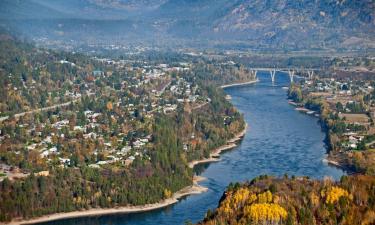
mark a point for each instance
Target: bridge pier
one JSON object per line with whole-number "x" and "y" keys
{"x": 254, "y": 73}
{"x": 311, "y": 74}
{"x": 273, "y": 73}
{"x": 291, "y": 75}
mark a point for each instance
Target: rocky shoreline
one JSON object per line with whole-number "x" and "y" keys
{"x": 215, "y": 154}
{"x": 341, "y": 161}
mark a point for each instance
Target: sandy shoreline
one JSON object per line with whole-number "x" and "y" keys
{"x": 239, "y": 84}
{"x": 190, "y": 190}
{"x": 215, "y": 154}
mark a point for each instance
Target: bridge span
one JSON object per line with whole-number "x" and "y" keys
{"x": 309, "y": 73}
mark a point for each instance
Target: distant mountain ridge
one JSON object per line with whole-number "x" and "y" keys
{"x": 287, "y": 24}
{"x": 279, "y": 22}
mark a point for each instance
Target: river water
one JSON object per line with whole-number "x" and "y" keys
{"x": 279, "y": 140}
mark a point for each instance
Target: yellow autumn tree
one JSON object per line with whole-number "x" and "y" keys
{"x": 167, "y": 193}
{"x": 240, "y": 196}
{"x": 335, "y": 193}
{"x": 225, "y": 206}
{"x": 236, "y": 200}
{"x": 265, "y": 197}
{"x": 265, "y": 212}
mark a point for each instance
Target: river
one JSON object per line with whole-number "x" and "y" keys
{"x": 279, "y": 140}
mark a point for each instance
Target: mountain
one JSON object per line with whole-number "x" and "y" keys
{"x": 19, "y": 9}
{"x": 129, "y": 4}
{"x": 285, "y": 24}
{"x": 300, "y": 22}
{"x": 61, "y": 9}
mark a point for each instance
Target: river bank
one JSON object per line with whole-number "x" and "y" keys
{"x": 190, "y": 190}
{"x": 215, "y": 154}
{"x": 342, "y": 161}
{"x": 278, "y": 144}
{"x": 336, "y": 159}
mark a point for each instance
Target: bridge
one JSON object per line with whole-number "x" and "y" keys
{"x": 291, "y": 71}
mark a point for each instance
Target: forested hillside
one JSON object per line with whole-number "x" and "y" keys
{"x": 80, "y": 133}
{"x": 32, "y": 78}
{"x": 267, "y": 200}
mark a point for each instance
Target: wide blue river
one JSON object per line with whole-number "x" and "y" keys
{"x": 279, "y": 140}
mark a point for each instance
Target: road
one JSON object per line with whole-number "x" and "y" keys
{"x": 42, "y": 109}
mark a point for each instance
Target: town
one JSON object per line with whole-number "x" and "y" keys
{"x": 119, "y": 129}
{"x": 346, "y": 105}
